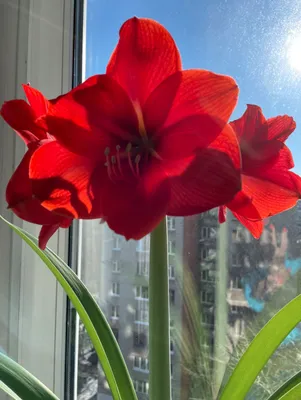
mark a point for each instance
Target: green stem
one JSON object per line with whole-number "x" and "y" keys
{"x": 159, "y": 343}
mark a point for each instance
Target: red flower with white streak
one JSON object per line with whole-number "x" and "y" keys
{"x": 268, "y": 185}
{"x": 132, "y": 145}
{"x": 21, "y": 117}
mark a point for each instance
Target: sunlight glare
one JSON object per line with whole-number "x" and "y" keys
{"x": 294, "y": 52}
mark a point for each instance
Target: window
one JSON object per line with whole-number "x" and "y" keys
{"x": 205, "y": 232}
{"x": 141, "y": 314}
{"x": 204, "y": 253}
{"x": 141, "y": 386}
{"x": 207, "y": 297}
{"x": 115, "y": 289}
{"x": 171, "y": 223}
{"x": 235, "y": 283}
{"x": 172, "y": 296}
{"x": 206, "y": 318}
{"x": 142, "y": 268}
{"x": 234, "y": 309}
{"x": 172, "y": 247}
{"x": 141, "y": 363}
{"x": 116, "y": 267}
{"x": 116, "y": 242}
{"x": 236, "y": 260}
{"x": 207, "y": 275}
{"x": 171, "y": 272}
{"x": 143, "y": 245}
{"x": 115, "y": 312}
{"x": 139, "y": 339}
{"x": 141, "y": 292}
{"x": 233, "y": 35}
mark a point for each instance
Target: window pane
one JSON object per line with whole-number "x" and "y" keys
{"x": 224, "y": 284}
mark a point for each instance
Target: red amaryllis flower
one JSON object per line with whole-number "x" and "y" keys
{"x": 268, "y": 185}
{"x": 21, "y": 117}
{"x": 133, "y": 143}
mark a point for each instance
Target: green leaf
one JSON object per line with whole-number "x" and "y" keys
{"x": 287, "y": 387}
{"x": 293, "y": 394}
{"x": 92, "y": 317}
{"x": 261, "y": 349}
{"x": 20, "y": 384}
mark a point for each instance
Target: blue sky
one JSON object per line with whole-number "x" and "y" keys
{"x": 247, "y": 39}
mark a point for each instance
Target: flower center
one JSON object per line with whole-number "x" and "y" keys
{"x": 135, "y": 157}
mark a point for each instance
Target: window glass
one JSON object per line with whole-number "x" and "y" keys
{"x": 259, "y": 44}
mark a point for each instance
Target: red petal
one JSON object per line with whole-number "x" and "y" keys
{"x": 242, "y": 204}
{"x": 145, "y": 55}
{"x": 268, "y": 197}
{"x": 251, "y": 125}
{"x": 48, "y": 230}
{"x": 280, "y": 127}
{"x": 210, "y": 181}
{"x": 62, "y": 181}
{"x": 222, "y": 214}
{"x": 36, "y": 99}
{"x": 255, "y": 227}
{"x": 20, "y": 197}
{"x": 187, "y": 94}
{"x": 133, "y": 208}
{"x": 21, "y": 117}
{"x": 95, "y": 115}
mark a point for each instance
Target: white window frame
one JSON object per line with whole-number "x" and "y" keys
{"x": 115, "y": 289}
{"x": 115, "y": 311}
{"x": 171, "y": 272}
{"x": 171, "y": 223}
{"x": 116, "y": 267}
{"x": 172, "y": 247}
{"x": 116, "y": 242}
{"x": 138, "y": 364}
{"x": 143, "y": 245}
{"x": 37, "y": 48}
{"x": 140, "y": 293}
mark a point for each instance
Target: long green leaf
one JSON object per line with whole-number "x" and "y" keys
{"x": 293, "y": 394}
{"x": 261, "y": 349}
{"x": 19, "y": 383}
{"x": 92, "y": 317}
{"x": 286, "y": 387}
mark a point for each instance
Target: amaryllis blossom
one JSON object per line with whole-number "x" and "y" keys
{"x": 132, "y": 145}
{"x": 268, "y": 185}
{"x": 21, "y": 117}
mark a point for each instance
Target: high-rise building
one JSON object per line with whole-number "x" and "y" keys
{"x": 116, "y": 272}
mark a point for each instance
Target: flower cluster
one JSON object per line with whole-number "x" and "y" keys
{"x": 144, "y": 140}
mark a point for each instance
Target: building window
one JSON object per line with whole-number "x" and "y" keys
{"x": 172, "y": 296}
{"x": 171, "y": 272}
{"x": 116, "y": 267}
{"x": 206, "y": 318}
{"x": 172, "y": 247}
{"x": 140, "y": 386}
{"x": 235, "y": 283}
{"x": 234, "y": 309}
{"x": 207, "y": 297}
{"x": 141, "y": 292}
{"x": 140, "y": 339}
{"x": 239, "y": 327}
{"x": 171, "y": 223}
{"x": 143, "y": 245}
{"x": 115, "y": 289}
{"x": 116, "y": 333}
{"x": 172, "y": 347}
{"x": 115, "y": 312}
{"x": 142, "y": 268}
{"x": 141, "y": 363}
{"x": 116, "y": 242}
{"x": 141, "y": 315}
{"x": 235, "y": 260}
{"x": 205, "y": 232}
{"x": 204, "y": 253}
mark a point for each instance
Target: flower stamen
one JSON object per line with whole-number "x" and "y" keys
{"x": 128, "y": 150}
{"x": 107, "y": 163}
{"x": 118, "y": 158}
{"x": 137, "y": 160}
